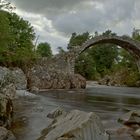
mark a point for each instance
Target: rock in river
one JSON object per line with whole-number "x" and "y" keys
{"x": 6, "y": 134}
{"x": 76, "y": 125}
{"x": 132, "y": 119}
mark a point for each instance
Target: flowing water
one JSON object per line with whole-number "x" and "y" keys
{"x": 108, "y": 102}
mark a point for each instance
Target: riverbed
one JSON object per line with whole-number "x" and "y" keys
{"x": 108, "y": 102}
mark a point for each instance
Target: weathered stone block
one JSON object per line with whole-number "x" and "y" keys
{"x": 20, "y": 79}
{"x": 76, "y": 125}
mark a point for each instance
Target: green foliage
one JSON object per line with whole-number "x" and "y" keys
{"x": 16, "y": 36}
{"x": 136, "y": 34}
{"x": 97, "y": 60}
{"x": 5, "y": 36}
{"x": 127, "y": 60}
{"x": 76, "y": 40}
{"x": 5, "y": 31}
{"x": 106, "y": 59}
{"x": 44, "y": 49}
{"x": 104, "y": 56}
{"x": 85, "y": 65}
{"x": 22, "y": 31}
{"x": 132, "y": 78}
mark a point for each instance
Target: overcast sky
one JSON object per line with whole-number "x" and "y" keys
{"x": 55, "y": 20}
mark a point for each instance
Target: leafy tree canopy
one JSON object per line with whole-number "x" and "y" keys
{"x": 77, "y": 40}
{"x": 104, "y": 55}
{"x": 99, "y": 57}
{"x": 44, "y": 49}
{"x": 16, "y": 36}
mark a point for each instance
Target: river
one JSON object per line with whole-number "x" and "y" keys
{"x": 108, "y": 102}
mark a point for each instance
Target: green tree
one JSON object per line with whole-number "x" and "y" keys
{"x": 97, "y": 59}
{"x": 5, "y": 32}
{"x": 104, "y": 55}
{"x": 136, "y": 34}
{"x": 17, "y": 37}
{"x": 44, "y": 49}
{"x": 5, "y": 36}
{"x": 22, "y": 31}
{"x": 85, "y": 65}
{"x": 77, "y": 40}
{"x": 127, "y": 59}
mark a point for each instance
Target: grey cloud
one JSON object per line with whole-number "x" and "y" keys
{"x": 69, "y": 16}
{"x": 79, "y": 22}
{"x": 50, "y": 7}
{"x": 113, "y": 13}
{"x": 86, "y": 16}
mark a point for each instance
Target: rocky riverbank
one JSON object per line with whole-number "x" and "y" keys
{"x": 14, "y": 82}
{"x": 49, "y": 75}
{"x": 121, "y": 79}
{"x": 10, "y": 80}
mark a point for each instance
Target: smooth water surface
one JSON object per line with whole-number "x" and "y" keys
{"x": 108, "y": 102}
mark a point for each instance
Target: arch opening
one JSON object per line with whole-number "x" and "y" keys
{"x": 131, "y": 46}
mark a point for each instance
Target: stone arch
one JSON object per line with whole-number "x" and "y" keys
{"x": 132, "y": 46}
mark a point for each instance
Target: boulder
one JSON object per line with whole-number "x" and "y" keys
{"x": 55, "y": 113}
{"x": 20, "y": 79}
{"x": 6, "y": 110}
{"x": 6, "y": 77}
{"x": 9, "y": 91}
{"x": 15, "y": 76}
{"x": 75, "y": 125}
{"x": 25, "y": 93}
{"x": 77, "y": 81}
{"x": 132, "y": 120}
{"x": 6, "y": 134}
{"x": 137, "y": 133}
{"x": 41, "y": 77}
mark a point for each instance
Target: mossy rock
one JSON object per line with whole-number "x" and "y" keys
{"x": 6, "y": 111}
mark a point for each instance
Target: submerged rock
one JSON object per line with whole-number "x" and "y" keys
{"x": 55, "y": 113}
{"x": 132, "y": 120}
{"x": 137, "y": 133}
{"x": 6, "y": 134}
{"x": 25, "y": 93}
{"x": 75, "y": 125}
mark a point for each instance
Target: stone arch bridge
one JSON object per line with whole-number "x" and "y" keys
{"x": 132, "y": 46}
{"x": 58, "y": 71}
